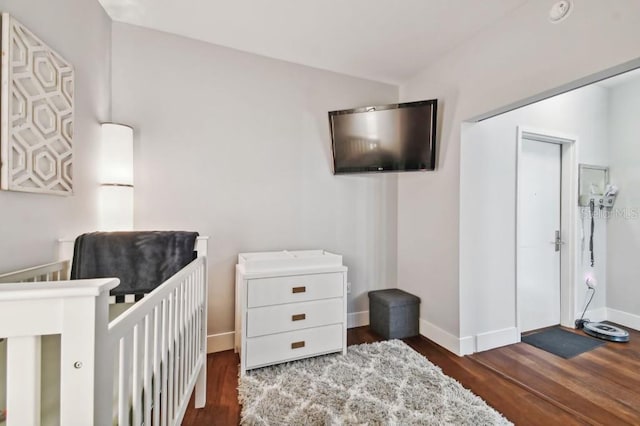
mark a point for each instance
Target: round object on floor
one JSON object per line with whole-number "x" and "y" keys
{"x": 606, "y": 332}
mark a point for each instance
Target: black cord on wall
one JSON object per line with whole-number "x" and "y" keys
{"x": 592, "y": 208}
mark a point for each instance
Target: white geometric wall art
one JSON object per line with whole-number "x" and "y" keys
{"x": 36, "y": 114}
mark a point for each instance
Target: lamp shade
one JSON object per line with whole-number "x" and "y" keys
{"x": 116, "y": 155}
{"x": 115, "y": 197}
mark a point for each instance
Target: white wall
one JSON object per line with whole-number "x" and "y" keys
{"x": 80, "y": 31}
{"x": 516, "y": 58}
{"x": 623, "y": 291}
{"x": 237, "y": 147}
{"x": 488, "y": 205}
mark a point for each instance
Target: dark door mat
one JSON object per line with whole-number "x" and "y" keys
{"x": 562, "y": 343}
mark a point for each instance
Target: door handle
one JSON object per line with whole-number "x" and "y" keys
{"x": 558, "y": 241}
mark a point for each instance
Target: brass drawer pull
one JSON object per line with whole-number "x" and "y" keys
{"x": 298, "y": 317}
{"x": 297, "y": 345}
{"x": 299, "y": 289}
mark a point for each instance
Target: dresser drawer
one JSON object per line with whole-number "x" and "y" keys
{"x": 294, "y": 316}
{"x": 283, "y": 347}
{"x": 295, "y": 288}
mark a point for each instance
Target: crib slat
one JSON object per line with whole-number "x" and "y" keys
{"x": 165, "y": 368}
{"x": 187, "y": 333}
{"x": 190, "y": 328}
{"x": 197, "y": 313}
{"x": 176, "y": 352}
{"x": 185, "y": 336}
{"x": 158, "y": 316}
{"x": 124, "y": 390}
{"x": 180, "y": 351}
{"x": 23, "y": 380}
{"x": 147, "y": 359}
{"x": 169, "y": 376}
{"x": 178, "y": 382}
{"x": 194, "y": 323}
{"x": 176, "y": 359}
{"x": 179, "y": 342}
{"x": 200, "y": 317}
{"x": 183, "y": 313}
{"x": 190, "y": 339}
{"x": 135, "y": 377}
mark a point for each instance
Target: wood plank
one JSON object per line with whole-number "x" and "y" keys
{"x": 222, "y": 407}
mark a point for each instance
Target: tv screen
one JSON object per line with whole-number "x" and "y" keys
{"x": 385, "y": 138}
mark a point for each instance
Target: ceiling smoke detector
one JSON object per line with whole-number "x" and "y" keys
{"x": 560, "y": 11}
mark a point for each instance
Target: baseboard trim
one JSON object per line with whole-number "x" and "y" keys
{"x": 357, "y": 319}
{"x": 220, "y": 342}
{"x": 459, "y": 346}
{"x": 624, "y": 318}
{"x": 497, "y": 338}
{"x": 467, "y": 345}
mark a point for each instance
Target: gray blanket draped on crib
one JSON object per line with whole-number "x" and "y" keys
{"x": 142, "y": 260}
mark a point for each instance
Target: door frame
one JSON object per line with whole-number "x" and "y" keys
{"x": 568, "y": 216}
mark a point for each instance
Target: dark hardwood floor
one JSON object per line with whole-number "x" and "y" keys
{"x": 527, "y": 385}
{"x": 601, "y": 386}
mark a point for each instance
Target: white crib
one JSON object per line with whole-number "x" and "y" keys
{"x": 138, "y": 369}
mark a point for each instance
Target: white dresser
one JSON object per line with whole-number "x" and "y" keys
{"x": 289, "y": 305}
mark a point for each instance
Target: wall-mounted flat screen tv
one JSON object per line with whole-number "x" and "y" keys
{"x": 386, "y": 138}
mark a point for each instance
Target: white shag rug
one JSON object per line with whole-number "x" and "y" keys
{"x": 384, "y": 383}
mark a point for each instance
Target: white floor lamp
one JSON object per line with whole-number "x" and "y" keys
{"x": 116, "y": 178}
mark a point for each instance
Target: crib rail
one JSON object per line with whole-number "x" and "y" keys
{"x": 159, "y": 349}
{"x": 56, "y": 271}
{"x": 78, "y": 311}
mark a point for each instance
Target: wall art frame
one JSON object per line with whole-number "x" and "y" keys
{"x": 36, "y": 114}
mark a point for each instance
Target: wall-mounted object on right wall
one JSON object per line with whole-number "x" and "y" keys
{"x": 593, "y": 184}
{"x": 36, "y": 114}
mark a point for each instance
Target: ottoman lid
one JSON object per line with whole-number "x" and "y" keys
{"x": 393, "y": 297}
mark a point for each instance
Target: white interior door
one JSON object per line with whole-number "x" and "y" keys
{"x": 538, "y": 258}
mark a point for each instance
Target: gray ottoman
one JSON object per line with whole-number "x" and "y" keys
{"x": 394, "y": 313}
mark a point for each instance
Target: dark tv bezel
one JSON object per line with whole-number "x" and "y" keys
{"x": 432, "y": 142}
